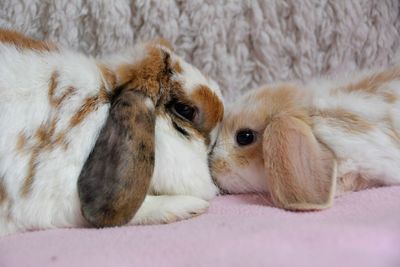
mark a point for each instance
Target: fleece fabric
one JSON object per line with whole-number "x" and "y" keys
{"x": 361, "y": 229}
{"x": 240, "y": 43}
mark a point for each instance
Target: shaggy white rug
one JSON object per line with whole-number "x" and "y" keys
{"x": 241, "y": 44}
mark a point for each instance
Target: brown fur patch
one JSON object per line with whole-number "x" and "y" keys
{"x": 375, "y": 85}
{"x": 57, "y": 101}
{"x": 146, "y": 75}
{"x": 52, "y": 86}
{"x": 355, "y": 182}
{"x": 21, "y": 142}
{"x": 212, "y": 109}
{"x": 108, "y": 75}
{"x": 23, "y": 42}
{"x": 252, "y": 153}
{"x": 389, "y": 97}
{"x": 372, "y": 83}
{"x": 3, "y": 191}
{"x": 391, "y": 131}
{"x": 350, "y": 122}
{"x": 220, "y": 166}
{"x": 46, "y": 137}
{"x": 60, "y": 140}
{"x": 89, "y": 105}
{"x": 241, "y": 159}
{"x": 43, "y": 137}
{"x": 269, "y": 104}
{"x": 29, "y": 178}
{"x": 177, "y": 67}
{"x": 53, "y": 83}
{"x": 67, "y": 93}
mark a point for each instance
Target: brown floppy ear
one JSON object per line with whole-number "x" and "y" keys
{"x": 301, "y": 172}
{"x": 116, "y": 176}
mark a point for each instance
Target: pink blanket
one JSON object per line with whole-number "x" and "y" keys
{"x": 362, "y": 229}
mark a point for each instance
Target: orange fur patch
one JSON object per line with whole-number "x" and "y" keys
{"x": 68, "y": 92}
{"x": 46, "y": 137}
{"x": 108, "y": 75}
{"x": 60, "y": 140}
{"x": 391, "y": 131}
{"x": 57, "y": 101}
{"x": 3, "y": 191}
{"x": 89, "y": 105}
{"x": 355, "y": 182}
{"x": 373, "y": 82}
{"x": 23, "y": 42}
{"x": 145, "y": 75}
{"x": 177, "y": 67}
{"x": 350, "y": 122}
{"x": 375, "y": 85}
{"x": 29, "y": 179}
{"x": 43, "y": 137}
{"x": 21, "y": 142}
{"x": 389, "y": 97}
{"x": 220, "y": 166}
{"x": 271, "y": 103}
{"x": 52, "y": 86}
{"x": 252, "y": 153}
{"x": 210, "y": 105}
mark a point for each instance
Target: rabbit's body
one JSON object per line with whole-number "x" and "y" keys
{"x": 309, "y": 141}
{"x": 358, "y": 118}
{"x": 80, "y": 137}
{"x": 50, "y": 117}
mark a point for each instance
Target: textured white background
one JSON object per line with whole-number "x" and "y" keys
{"x": 241, "y": 44}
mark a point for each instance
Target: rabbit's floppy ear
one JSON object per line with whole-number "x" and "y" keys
{"x": 301, "y": 172}
{"x": 116, "y": 176}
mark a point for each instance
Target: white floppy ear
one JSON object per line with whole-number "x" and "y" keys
{"x": 301, "y": 172}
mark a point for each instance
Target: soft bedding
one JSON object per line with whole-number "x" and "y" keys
{"x": 362, "y": 229}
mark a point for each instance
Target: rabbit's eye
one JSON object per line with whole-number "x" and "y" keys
{"x": 184, "y": 111}
{"x": 245, "y": 137}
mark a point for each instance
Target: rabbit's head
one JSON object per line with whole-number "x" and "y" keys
{"x": 267, "y": 144}
{"x": 164, "y": 120}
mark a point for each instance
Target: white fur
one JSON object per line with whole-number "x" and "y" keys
{"x": 156, "y": 209}
{"x": 191, "y": 176}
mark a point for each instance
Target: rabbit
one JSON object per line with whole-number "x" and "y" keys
{"x": 307, "y": 142}
{"x": 118, "y": 140}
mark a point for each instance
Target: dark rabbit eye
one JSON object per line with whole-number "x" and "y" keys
{"x": 184, "y": 111}
{"x": 245, "y": 137}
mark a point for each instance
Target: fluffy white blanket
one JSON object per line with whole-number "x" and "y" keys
{"x": 241, "y": 44}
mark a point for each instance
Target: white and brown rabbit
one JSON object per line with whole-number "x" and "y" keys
{"x": 307, "y": 142}
{"x": 80, "y": 138}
